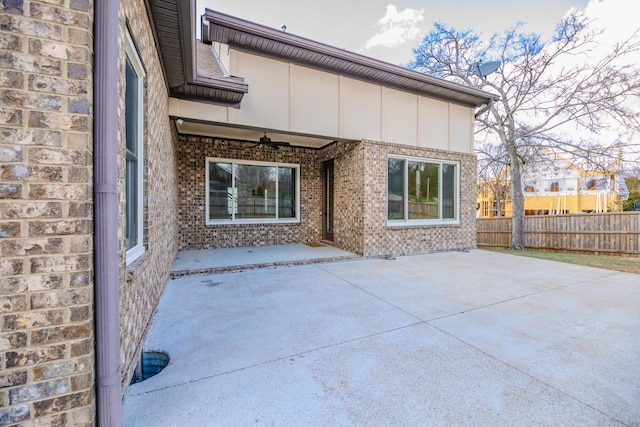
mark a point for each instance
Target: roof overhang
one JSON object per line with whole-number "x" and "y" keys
{"x": 188, "y": 64}
{"x": 173, "y": 23}
{"x": 255, "y": 38}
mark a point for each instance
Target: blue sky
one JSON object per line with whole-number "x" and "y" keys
{"x": 388, "y": 30}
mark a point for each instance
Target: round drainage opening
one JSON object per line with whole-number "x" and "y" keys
{"x": 150, "y": 364}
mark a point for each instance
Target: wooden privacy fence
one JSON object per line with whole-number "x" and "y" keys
{"x": 613, "y": 232}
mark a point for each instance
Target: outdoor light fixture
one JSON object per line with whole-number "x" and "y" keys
{"x": 179, "y": 122}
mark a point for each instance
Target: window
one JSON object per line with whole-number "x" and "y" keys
{"x": 134, "y": 132}
{"x": 497, "y": 212}
{"x": 252, "y": 192}
{"x": 421, "y": 191}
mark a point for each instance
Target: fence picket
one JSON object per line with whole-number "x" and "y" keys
{"x": 611, "y": 232}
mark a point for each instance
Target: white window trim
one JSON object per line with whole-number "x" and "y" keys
{"x": 425, "y": 222}
{"x": 234, "y": 221}
{"x": 136, "y": 251}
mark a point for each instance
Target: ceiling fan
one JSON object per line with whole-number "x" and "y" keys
{"x": 265, "y": 140}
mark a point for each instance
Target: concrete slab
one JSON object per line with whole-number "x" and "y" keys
{"x": 228, "y": 322}
{"x": 570, "y": 339}
{"x": 445, "y": 339}
{"x": 407, "y": 377}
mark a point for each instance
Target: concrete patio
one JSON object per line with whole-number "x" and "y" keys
{"x": 475, "y": 338}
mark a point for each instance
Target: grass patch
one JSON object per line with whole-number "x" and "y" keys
{"x": 609, "y": 262}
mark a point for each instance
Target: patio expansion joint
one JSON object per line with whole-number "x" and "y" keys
{"x": 373, "y": 295}
{"x": 544, "y": 291}
{"x": 277, "y": 359}
{"x": 428, "y": 323}
{"x": 527, "y": 374}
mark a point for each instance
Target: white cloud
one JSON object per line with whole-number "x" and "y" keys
{"x": 614, "y": 17}
{"x": 396, "y": 27}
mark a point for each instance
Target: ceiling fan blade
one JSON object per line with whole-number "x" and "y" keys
{"x": 275, "y": 144}
{"x": 264, "y": 140}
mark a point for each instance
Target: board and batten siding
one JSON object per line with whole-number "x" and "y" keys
{"x": 291, "y": 98}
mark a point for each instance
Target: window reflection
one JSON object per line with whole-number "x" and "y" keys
{"x": 251, "y": 191}
{"x": 421, "y": 190}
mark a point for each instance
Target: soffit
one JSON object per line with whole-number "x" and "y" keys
{"x": 173, "y": 26}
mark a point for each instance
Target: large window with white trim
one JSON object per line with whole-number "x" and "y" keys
{"x": 241, "y": 191}
{"x": 134, "y": 154}
{"x": 422, "y": 191}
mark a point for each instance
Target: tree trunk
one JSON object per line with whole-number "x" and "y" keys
{"x": 517, "y": 200}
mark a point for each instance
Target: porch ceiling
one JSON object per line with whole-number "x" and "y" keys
{"x": 250, "y": 135}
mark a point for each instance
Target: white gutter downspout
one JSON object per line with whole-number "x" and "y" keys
{"x": 105, "y": 167}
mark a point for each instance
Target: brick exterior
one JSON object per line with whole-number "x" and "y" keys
{"x": 46, "y": 209}
{"x": 360, "y": 223}
{"x": 142, "y": 281}
{"x": 193, "y": 232}
{"x": 46, "y": 246}
{"x": 349, "y": 196}
{"x": 381, "y": 240}
{"x": 46, "y": 206}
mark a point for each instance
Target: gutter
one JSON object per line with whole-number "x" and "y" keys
{"x": 186, "y": 13}
{"x": 487, "y": 106}
{"x": 106, "y": 263}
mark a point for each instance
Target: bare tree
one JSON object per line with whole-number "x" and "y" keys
{"x": 547, "y": 91}
{"x": 493, "y": 173}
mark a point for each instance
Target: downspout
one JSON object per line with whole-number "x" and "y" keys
{"x": 105, "y": 167}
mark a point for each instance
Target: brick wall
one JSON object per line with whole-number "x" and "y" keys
{"x": 143, "y": 281}
{"x": 360, "y": 217}
{"x": 194, "y": 234}
{"x": 46, "y": 248}
{"x": 349, "y": 195}
{"x": 381, "y": 240}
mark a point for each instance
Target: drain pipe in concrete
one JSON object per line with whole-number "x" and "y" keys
{"x": 105, "y": 166}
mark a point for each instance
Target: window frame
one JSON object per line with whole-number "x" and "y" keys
{"x": 233, "y": 220}
{"x": 406, "y": 222}
{"x": 132, "y": 56}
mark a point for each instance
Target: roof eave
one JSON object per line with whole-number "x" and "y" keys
{"x": 176, "y": 24}
{"x": 413, "y": 81}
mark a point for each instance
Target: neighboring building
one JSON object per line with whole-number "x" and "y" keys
{"x": 111, "y": 166}
{"x": 554, "y": 185}
{"x": 633, "y": 201}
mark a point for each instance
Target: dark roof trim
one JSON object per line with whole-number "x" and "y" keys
{"x": 154, "y": 31}
{"x": 246, "y": 35}
{"x": 173, "y": 26}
